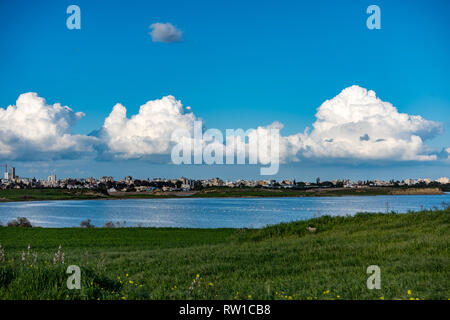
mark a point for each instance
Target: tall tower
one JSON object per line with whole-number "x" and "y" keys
{"x": 6, "y": 171}
{"x": 52, "y": 178}
{"x": 12, "y": 173}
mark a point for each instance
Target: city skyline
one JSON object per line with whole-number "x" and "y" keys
{"x": 130, "y": 184}
{"x": 11, "y": 176}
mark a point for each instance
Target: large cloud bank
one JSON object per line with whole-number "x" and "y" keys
{"x": 355, "y": 124}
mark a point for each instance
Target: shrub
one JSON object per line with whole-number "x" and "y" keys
{"x": 86, "y": 224}
{"x": 20, "y": 222}
{"x": 109, "y": 224}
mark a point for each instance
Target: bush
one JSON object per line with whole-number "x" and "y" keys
{"x": 6, "y": 275}
{"x": 20, "y": 222}
{"x": 109, "y": 224}
{"x": 86, "y": 224}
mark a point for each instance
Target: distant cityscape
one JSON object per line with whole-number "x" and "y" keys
{"x": 12, "y": 181}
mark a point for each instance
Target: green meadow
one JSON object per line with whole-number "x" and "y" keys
{"x": 285, "y": 261}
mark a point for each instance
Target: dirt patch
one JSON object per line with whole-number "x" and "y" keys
{"x": 417, "y": 191}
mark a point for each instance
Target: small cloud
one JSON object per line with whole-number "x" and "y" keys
{"x": 165, "y": 32}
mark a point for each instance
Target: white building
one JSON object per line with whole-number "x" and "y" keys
{"x": 426, "y": 180}
{"x": 443, "y": 180}
{"x": 52, "y": 179}
{"x": 106, "y": 179}
{"x": 10, "y": 174}
{"x": 410, "y": 182}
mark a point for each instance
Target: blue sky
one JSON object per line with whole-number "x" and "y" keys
{"x": 242, "y": 64}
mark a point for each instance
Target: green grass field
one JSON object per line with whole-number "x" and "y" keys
{"x": 284, "y": 261}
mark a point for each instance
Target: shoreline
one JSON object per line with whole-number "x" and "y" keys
{"x": 36, "y": 195}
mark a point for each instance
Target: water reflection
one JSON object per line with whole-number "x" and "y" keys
{"x": 208, "y": 213}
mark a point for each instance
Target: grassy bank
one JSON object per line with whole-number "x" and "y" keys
{"x": 318, "y": 192}
{"x": 219, "y": 192}
{"x": 285, "y": 261}
{"x": 49, "y": 194}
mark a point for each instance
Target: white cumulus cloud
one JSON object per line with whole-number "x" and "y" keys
{"x": 33, "y": 129}
{"x": 357, "y": 124}
{"x": 165, "y": 32}
{"x": 148, "y": 132}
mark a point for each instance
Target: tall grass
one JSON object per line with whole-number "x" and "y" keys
{"x": 285, "y": 261}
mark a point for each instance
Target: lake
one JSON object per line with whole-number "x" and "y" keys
{"x": 210, "y": 212}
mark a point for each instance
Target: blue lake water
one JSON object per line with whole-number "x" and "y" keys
{"x": 208, "y": 213}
